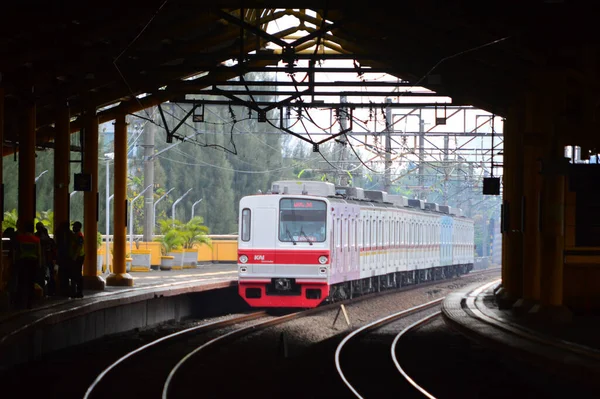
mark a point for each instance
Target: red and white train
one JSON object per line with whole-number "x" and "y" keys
{"x": 305, "y": 242}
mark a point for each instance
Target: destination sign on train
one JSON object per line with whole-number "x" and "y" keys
{"x": 303, "y": 204}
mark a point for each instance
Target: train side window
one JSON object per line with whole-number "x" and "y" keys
{"x": 339, "y": 233}
{"x": 246, "y": 224}
{"x": 356, "y": 233}
{"x": 374, "y": 235}
{"x": 345, "y": 238}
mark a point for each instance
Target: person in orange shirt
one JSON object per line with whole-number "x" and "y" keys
{"x": 79, "y": 257}
{"x": 28, "y": 260}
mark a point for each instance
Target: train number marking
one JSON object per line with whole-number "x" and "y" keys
{"x": 259, "y": 257}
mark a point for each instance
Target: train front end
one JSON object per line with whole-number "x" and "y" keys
{"x": 283, "y": 250}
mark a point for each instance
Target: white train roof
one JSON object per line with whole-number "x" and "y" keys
{"x": 316, "y": 188}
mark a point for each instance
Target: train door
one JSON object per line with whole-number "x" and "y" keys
{"x": 339, "y": 247}
{"x": 264, "y": 237}
{"x": 345, "y": 246}
{"x": 351, "y": 243}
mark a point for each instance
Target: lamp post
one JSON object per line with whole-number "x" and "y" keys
{"x": 195, "y": 203}
{"x": 154, "y": 213}
{"x": 131, "y": 217}
{"x": 107, "y": 241}
{"x": 175, "y": 204}
{"x": 40, "y": 175}
{"x": 108, "y": 157}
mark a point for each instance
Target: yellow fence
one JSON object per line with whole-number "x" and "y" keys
{"x": 221, "y": 251}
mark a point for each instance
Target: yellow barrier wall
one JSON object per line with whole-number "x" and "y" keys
{"x": 221, "y": 251}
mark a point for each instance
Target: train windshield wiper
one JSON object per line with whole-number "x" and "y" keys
{"x": 305, "y": 236}
{"x": 290, "y": 235}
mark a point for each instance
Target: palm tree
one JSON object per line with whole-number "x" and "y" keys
{"x": 173, "y": 239}
{"x": 10, "y": 219}
{"x": 195, "y": 232}
{"x": 47, "y": 219}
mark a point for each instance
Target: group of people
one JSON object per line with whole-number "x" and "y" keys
{"x": 54, "y": 264}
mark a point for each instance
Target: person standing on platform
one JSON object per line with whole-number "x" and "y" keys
{"x": 64, "y": 257}
{"x": 79, "y": 257}
{"x": 48, "y": 250}
{"x": 13, "y": 274}
{"x": 28, "y": 258}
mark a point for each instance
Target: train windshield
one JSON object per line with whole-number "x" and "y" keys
{"x": 302, "y": 220}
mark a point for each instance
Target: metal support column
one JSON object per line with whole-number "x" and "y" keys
{"x": 422, "y": 194}
{"x": 120, "y": 277}
{"x": 91, "y": 279}
{"x": 342, "y": 165}
{"x": 388, "y": 147}
{"x": 149, "y": 132}
{"x": 62, "y": 152}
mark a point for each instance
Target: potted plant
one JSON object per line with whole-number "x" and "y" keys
{"x": 194, "y": 233}
{"x": 170, "y": 241}
{"x": 141, "y": 259}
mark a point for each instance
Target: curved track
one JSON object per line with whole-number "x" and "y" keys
{"x": 395, "y": 358}
{"x": 161, "y": 362}
{"x": 126, "y": 365}
{"x": 370, "y": 327}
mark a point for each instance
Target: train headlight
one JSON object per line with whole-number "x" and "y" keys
{"x": 243, "y": 259}
{"x": 322, "y": 259}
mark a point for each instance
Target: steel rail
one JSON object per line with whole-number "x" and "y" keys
{"x": 373, "y": 325}
{"x": 283, "y": 319}
{"x": 200, "y": 328}
{"x": 397, "y": 363}
{"x": 226, "y": 337}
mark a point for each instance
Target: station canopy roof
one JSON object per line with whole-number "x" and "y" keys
{"x": 135, "y": 55}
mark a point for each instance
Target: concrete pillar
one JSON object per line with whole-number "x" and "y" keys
{"x": 26, "y": 207}
{"x": 531, "y": 233}
{"x": 512, "y": 262}
{"x": 1, "y": 168}
{"x": 62, "y": 166}
{"x": 91, "y": 279}
{"x": 119, "y": 276}
{"x": 552, "y": 237}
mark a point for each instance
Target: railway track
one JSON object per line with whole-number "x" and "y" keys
{"x": 165, "y": 363}
{"x": 375, "y": 362}
{"x": 155, "y": 360}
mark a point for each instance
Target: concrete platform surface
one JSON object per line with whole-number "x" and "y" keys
{"x": 156, "y": 284}
{"x": 564, "y": 350}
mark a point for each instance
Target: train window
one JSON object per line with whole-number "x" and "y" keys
{"x": 302, "y": 220}
{"x": 402, "y": 236}
{"x": 245, "y": 225}
{"x": 345, "y": 241}
{"x": 374, "y": 234}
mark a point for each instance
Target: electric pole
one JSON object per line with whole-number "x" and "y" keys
{"x": 342, "y": 175}
{"x": 388, "y": 147}
{"x": 446, "y": 169}
{"x": 149, "y": 132}
{"x": 421, "y": 155}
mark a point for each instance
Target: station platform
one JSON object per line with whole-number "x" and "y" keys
{"x": 57, "y": 322}
{"x": 568, "y": 350}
